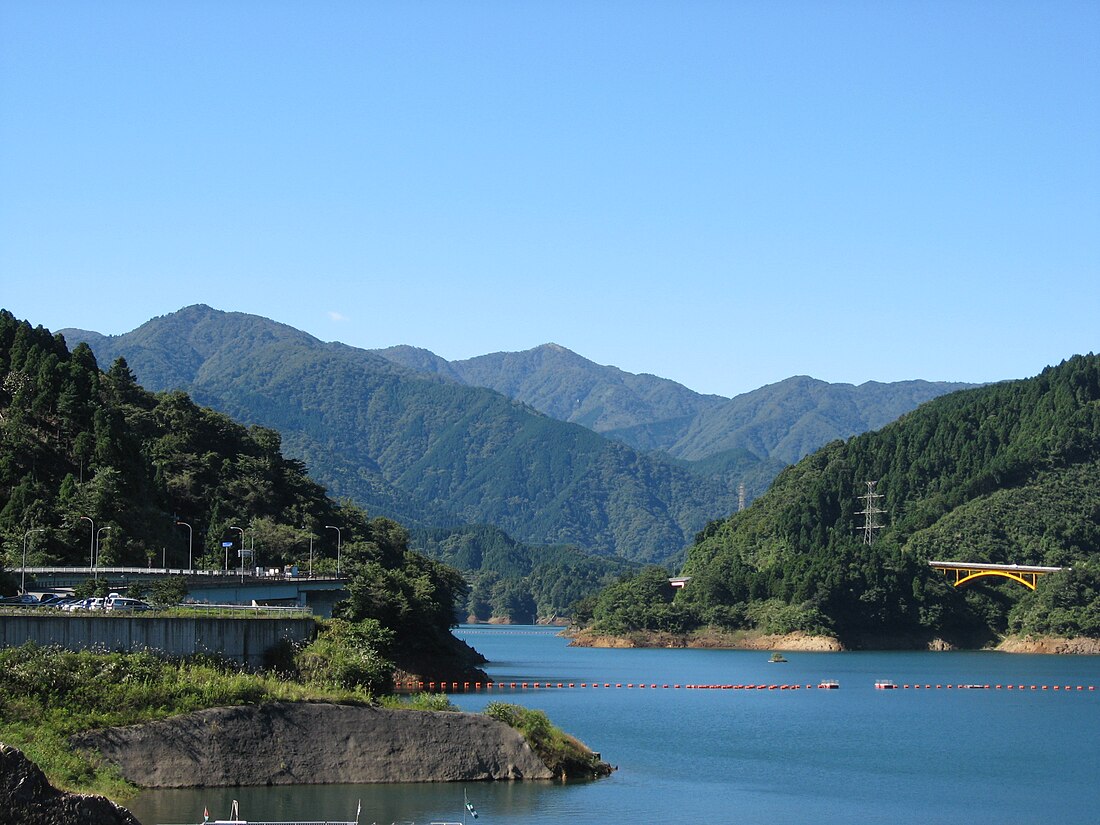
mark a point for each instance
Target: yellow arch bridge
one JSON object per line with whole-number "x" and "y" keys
{"x": 964, "y": 572}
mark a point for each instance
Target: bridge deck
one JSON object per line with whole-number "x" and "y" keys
{"x": 1006, "y": 568}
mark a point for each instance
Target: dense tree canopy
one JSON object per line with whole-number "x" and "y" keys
{"x": 89, "y": 460}
{"x": 1005, "y": 474}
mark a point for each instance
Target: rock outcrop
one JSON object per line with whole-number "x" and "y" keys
{"x": 290, "y": 743}
{"x": 26, "y": 798}
{"x": 1050, "y": 644}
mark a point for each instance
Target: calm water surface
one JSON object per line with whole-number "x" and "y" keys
{"x": 771, "y": 756}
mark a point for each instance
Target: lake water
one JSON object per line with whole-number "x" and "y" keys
{"x": 856, "y": 754}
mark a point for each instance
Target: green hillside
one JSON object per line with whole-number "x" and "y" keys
{"x": 1006, "y": 473}
{"x": 513, "y": 581}
{"x": 766, "y": 429}
{"x": 419, "y": 448}
{"x": 81, "y": 447}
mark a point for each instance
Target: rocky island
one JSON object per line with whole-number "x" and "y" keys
{"x": 284, "y": 743}
{"x": 294, "y": 743}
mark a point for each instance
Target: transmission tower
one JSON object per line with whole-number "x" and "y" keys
{"x": 870, "y": 513}
{"x": 740, "y": 497}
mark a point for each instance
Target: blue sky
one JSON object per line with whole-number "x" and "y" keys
{"x": 721, "y": 193}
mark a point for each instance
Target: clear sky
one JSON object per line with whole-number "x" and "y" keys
{"x": 722, "y": 193}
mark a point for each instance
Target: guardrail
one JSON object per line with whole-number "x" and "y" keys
{"x": 248, "y": 572}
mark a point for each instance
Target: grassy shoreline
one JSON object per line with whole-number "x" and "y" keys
{"x": 48, "y": 694}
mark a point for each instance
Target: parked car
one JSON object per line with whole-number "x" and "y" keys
{"x": 89, "y": 603}
{"x": 24, "y": 601}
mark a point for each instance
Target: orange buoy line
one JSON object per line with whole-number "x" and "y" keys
{"x": 476, "y": 687}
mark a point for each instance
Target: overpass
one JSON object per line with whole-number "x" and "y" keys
{"x": 259, "y": 585}
{"x": 964, "y": 572}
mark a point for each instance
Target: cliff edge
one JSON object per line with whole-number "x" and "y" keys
{"x": 291, "y": 743}
{"x": 26, "y": 798}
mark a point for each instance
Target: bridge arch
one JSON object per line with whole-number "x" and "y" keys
{"x": 1004, "y": 574}
{"x": 963, "y": 573}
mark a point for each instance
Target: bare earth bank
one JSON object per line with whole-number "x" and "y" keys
{"x": 747, "y": 640}
{"x": 707, "y": 639}
{"x": 1049, "y": 644}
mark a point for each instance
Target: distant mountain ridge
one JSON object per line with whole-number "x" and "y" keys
{"x": 420, "y": 448}
{"x": 784, "y": 421}
{"x": 497, "y": 439}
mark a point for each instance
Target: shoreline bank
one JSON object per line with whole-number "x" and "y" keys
{"x": 711, "y": 639}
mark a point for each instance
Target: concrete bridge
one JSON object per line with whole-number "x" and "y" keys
{"x": 262, "y": 586}
{"x": 964, "y": 572}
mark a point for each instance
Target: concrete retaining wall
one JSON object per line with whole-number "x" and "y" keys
{"x": 242, "y": 640}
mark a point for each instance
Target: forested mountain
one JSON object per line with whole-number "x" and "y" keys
{"x": 565, "y": 386}
{"x": 420, "y": 448}
{"x": 90, "y": 458}
{"x": 516, "y": 582}
{"x": 1008, "y": 473}
{"x": 782, "y": 422}
{"x": 789, "y": 420}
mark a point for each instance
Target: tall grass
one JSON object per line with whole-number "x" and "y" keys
{"x": 47, "y": 694}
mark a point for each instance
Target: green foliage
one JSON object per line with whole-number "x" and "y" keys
{"x": 170, "y": 590}
{"x": 564, "y": 755}
{"x": 349, "y": 656}
{"x": 48, "y": 694}
{"x": 132, "y": 472}
{"x": 1063, "y": 604}
{"x": 84, "y": 451}
{"x": 420, "y": 449}
{"x": 419, "y": 701}
{"x": 1008, "y": 473}
{"x": 514, "y": 581}
{"x": 642, "y": 602}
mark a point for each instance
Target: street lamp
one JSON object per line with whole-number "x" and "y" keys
{"x": 310, "y": 553}
{"x": 239, "y": 530}
{"x": 91, "y": 542}
{"x": 190, "y": 545}
{"x": 97, "y": 532}
{"x": 23, "y": 582}
{"x": 338, "y": 536}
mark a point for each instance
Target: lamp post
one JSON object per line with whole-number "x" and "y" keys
{"x": 97, "y": 532}
{"x": 310, "y": 551}
{"x": 239, "y": 530}
{"x": 91, "y": 542}
{"x": 23, "y": 581}
{"x": 190, "y": 545}
{"x": 338, "y": 538}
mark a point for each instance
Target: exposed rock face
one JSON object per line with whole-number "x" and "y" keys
{"x": 315, "y": 743}
{"x": 1050, "y": 644}
{"x": 708, "y": 638}
{"x": 26, "y": 798}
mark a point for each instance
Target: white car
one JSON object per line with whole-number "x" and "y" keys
{"x": 81, "y": 604}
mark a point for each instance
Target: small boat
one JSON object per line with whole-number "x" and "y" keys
{"x": 829, "y": 684}
{"x": 886, "y": 684}
{"x": 777, "y": 657}
{"x": 235, "y": 819}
